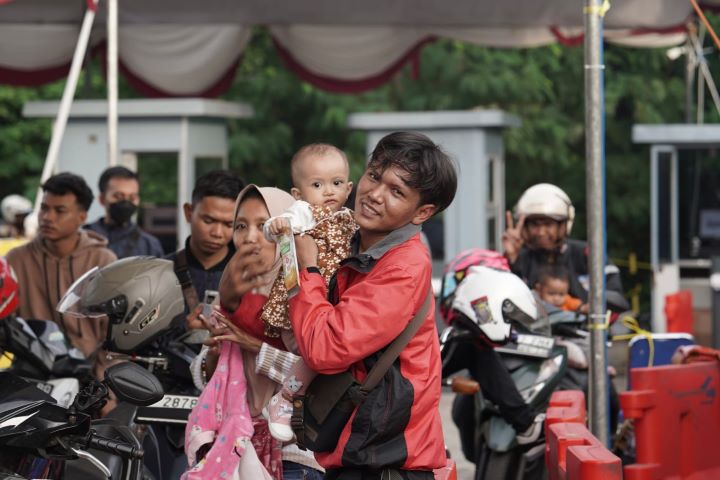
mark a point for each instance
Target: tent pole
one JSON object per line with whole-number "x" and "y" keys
{"x": 112, "y": 81}
{"x": 68, "y": 94}
{"x": 595, "y": 187}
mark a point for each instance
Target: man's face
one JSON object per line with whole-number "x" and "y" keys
{"x": 211, "y": 223}
{"x": 119, "y": 189}
{"x": 384, "y": 202}
{"x": 60, "y": 216}
{"x": 544, "y": 233}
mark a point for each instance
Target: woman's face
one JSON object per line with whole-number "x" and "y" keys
{"x": 249, "y": 222}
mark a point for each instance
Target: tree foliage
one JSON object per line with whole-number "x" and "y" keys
{"x": 543, "y": 86}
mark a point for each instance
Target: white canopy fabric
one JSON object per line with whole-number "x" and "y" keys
{"x": 190, "y": 48}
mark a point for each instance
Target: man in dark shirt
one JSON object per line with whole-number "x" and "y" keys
{"x": 120, "y": 195}
{"x": 209, "y": 247}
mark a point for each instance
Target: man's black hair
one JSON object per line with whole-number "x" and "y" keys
{"x": 64, "y": 183}
{"x": 115, "y": 172}
{"x": 430, "y": 170}
{"x": 217, "y": 183}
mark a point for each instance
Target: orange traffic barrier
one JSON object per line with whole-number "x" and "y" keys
{"x": 677, "y": 421}
{"x": 571, "y": 451}
{"x": 679, "y": 312}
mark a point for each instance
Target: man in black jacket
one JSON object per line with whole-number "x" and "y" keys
{"x": 545, "y": 218}
{"x": 209, "y": 247}
{"x": 120, "y": 195}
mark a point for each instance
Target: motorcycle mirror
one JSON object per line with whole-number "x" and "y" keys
{"x": 464, "y": 386}
{"x": 133, "y": 384}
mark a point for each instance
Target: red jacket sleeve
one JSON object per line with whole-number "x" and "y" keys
{"x": 370, "y": 314}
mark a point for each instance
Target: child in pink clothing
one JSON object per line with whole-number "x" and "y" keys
{"x": 320, "y": 174}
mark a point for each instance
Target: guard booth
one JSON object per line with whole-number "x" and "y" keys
{"x": 685, "y": 217}
{"x": 183, "y": 138}
{"x": 476, "y": 218}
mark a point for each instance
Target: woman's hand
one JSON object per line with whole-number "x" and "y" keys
{"x": 235, "y": 334}
{"x": 245, "y": 272}
{"x": 307, "y": 251}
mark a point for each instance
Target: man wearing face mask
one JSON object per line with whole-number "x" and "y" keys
{"x": 120, "y": 195}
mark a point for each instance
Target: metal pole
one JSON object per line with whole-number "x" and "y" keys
{"x": 112, "y": 80}
{"x": 66, "y": 102}
{"x": 595, "y": 187}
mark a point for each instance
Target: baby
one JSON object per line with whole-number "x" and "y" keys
{"x": 320, "y": 175}
{"x": 553, "y": 286}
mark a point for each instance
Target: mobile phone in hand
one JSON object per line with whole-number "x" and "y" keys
{"x": 210, "y": 297}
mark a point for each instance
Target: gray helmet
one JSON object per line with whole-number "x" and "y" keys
{"x": 139, "y": 297}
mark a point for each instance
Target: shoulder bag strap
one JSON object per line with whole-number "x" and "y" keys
{"x": 180, "y": 266}
{"x": 393, "y": 351}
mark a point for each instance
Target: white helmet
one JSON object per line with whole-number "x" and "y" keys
{"x": 547, "y": 200}
{"x": 14, "y": 205}
{"x": 490, "y": 298}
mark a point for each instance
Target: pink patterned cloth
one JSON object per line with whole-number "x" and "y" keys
{"x": 221, "y": 418}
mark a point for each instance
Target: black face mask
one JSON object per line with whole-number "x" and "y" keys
{"x": 120, "y": 212}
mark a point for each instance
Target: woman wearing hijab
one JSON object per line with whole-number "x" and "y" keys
{"x": 225, "y": 436}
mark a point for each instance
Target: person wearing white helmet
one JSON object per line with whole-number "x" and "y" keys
{"x": 545, "y": 216}
{"x": 15, "y": 208}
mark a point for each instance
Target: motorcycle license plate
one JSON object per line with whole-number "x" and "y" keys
{"x": 183, "y": 402}
{"x": 172, "y": 409}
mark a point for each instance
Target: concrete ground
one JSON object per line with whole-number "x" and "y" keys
{"x": 465, "y": 469}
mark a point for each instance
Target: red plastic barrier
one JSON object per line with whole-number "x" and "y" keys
{"x": 448, "y": 472}
{"x": 677, "y": 421}
{"x": 566, "y": 406}
{"x": 571, "y": 451}
{"x": 575, "y": 454}
{"x": 679, "y": 312}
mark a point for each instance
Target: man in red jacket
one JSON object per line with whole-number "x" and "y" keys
{"x": 396, "y": 431}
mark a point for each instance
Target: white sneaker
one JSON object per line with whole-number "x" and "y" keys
{"x": 278, "y": 413}
{"x": 533, "y": 431}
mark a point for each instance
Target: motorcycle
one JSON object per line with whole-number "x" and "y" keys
{"x": 40, "y": 438}
{"x": 494, "y": 312}
{"x": 38, "y": 351}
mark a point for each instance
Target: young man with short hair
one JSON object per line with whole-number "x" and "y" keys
{"x": 59, "y": 255}
{"x": 209, "y": 247}
{"x": 396, "y": 431}
{"x": 120, "y": 196}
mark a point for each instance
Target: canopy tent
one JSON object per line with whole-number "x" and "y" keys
{"x": 190, "y": 48}
{"x": 184, "y": 47}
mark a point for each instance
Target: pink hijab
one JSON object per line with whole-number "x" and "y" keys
{"x": 222, "y": 416}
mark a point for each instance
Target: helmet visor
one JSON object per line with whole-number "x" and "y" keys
{"x": 71, "y": 303}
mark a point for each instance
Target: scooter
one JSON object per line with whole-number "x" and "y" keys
{"x": 536, "y": 365}
{"x": 41, "y": 439}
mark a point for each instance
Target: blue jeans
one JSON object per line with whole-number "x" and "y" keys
{"x": 297, "y": 471}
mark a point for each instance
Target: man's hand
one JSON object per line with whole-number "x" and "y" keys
{"x": 307, "y": 251}
{"x": 245, "y": 272}
{"x": 512, "y": 238}
{"x": 193, "y": 321}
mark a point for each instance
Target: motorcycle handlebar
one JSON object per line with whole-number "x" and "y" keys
{"x": 109, "y": 445}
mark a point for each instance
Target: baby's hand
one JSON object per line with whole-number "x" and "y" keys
{"x": 279, "y": 225}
